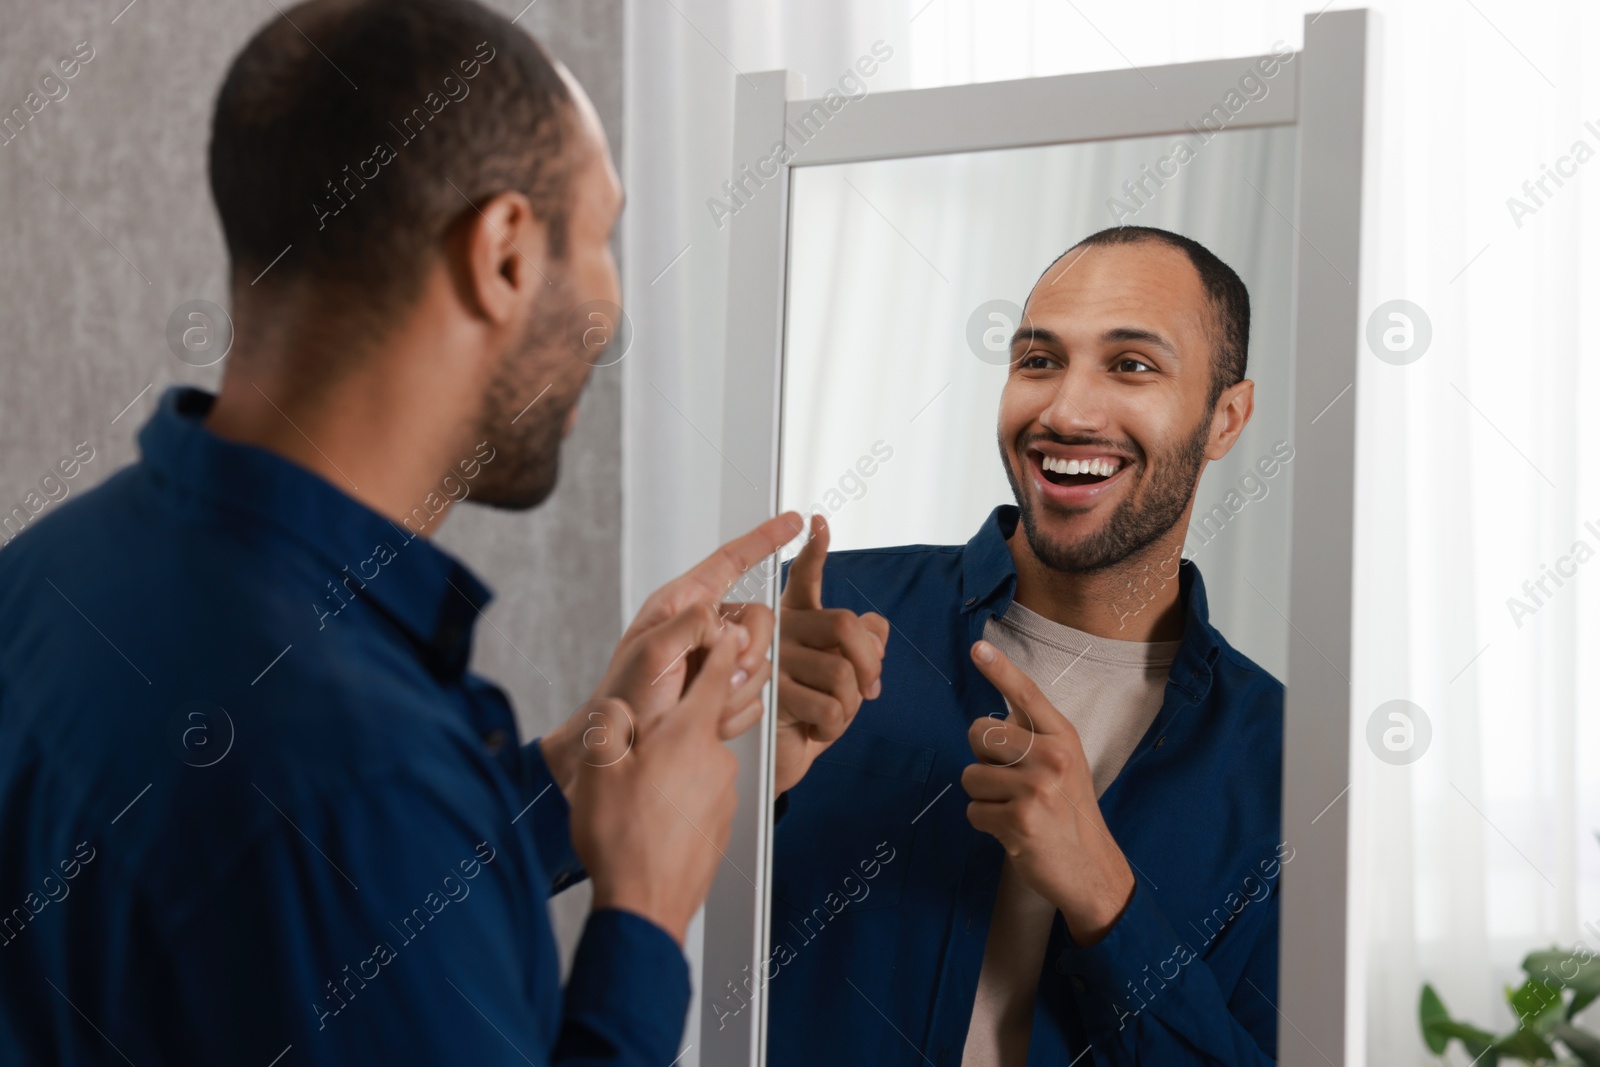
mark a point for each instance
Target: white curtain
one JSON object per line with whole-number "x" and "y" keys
{"x": 1476, "y": 465}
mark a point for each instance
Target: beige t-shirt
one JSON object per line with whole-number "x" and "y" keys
{"x": 1111, "y": 691}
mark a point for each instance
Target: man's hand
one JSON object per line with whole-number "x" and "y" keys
{"x": 828, "y": 662}
{"x": 709, "y": 580}
{"x": 654, "y": 798}
{"x": 1032, "y": 791}
{"x": 654, "y": 660}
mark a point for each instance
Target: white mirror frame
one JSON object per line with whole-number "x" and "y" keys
{"x": 1324, "y": 91}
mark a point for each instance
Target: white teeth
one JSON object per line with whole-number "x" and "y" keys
{"x": 1103, "y": 468}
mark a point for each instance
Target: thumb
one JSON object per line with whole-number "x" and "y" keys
{"x": 804, "y": 587}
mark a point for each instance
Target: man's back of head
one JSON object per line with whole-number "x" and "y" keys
{"x": 353, "y": 132}
{"x": 416, "y": 202}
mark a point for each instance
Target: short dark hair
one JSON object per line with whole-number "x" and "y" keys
{"x": 1230, "y": 300}
{"x": 355, "y": 132}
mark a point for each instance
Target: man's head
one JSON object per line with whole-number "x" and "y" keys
{"x": 396, "y": 173}
{"x": 1129, "y": 363}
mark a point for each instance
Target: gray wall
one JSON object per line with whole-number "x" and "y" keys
{"x": 86, "y": 288}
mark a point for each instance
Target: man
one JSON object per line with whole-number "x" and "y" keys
{"x": 253, "y": 807}
{"x": 1108, "y": 894}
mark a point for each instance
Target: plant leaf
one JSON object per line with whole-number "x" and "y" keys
{"x": 1524, "y": 1044}
{"x": 1430, "y": 1013}
{"x": 1537, "y": 1004}
{"x": 1563, "y": 967}
{"x": 1579, "y": 1002}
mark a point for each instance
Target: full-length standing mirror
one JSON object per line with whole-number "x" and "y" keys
{"x": 893, "y": 268}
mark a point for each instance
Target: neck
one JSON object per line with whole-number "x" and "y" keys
{"x": 384, "y": 431}
{"x": 1136, "y": 599}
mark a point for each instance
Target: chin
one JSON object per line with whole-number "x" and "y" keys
{"x": 517, "y": 494}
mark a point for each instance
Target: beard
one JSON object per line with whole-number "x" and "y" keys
{"x": 525, "y": 410}
{"x": 1141, "y": 519}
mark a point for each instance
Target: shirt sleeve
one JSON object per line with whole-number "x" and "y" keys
{"x": 1146, "y": 996}
{"x": 627, "y": 997}
{"x": 551, "y": 816}
{"x": 405, "y": 922}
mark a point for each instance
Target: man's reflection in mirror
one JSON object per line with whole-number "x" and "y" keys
{"x": 1028, "y": 796}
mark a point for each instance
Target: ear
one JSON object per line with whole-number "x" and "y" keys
{"x": 502, "y": 258}
{"x": 1234, "y": 408}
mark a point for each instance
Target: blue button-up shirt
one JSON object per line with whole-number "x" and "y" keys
{"x": 253, "y": 805}
{"x": 884, "y": 892}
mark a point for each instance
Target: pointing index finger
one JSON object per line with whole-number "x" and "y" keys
{"x": 1019, "y": 689}
{"x": 804, "y": 588}
{"x": 720, "y": 570}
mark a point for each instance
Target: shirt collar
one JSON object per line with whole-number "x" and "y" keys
{"x": 433, "y": 597}
{"x": 989, "y": 583}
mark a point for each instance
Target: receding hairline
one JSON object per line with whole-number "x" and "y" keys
{"x": 1216, "y": 326}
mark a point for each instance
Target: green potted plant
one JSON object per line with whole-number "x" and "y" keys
{"x": 1560, "y": 984}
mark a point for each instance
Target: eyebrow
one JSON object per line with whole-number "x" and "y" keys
{"x": 1031, "y": 334}
{"x": 1120, "y": 334}
{"x": 1137, "y": 336}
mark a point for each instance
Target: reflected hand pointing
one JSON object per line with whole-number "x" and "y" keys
{"x": 829, "y": 661}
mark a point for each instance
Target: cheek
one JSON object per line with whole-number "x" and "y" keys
{"x": 606, "y": 278}
{"x": 1155, "y": 423}
{"x": 1021, "y": 403}
{"x": 594, "y": 269}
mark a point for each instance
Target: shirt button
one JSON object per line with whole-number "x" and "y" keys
{"x": 1161, "y": 740}
{"x": 971, "y": 600}
{"x": 495, "y": 740}
{"x": 1077, "y": 983}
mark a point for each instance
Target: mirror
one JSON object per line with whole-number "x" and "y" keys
{"x": 905, "y": 282}
{"x": 1169, "y": 872}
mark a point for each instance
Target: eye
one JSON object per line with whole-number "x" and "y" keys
{"x": 1034, "y": 360}
{"x": 1130, "y": 364}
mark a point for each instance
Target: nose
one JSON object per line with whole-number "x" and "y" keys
{"x": 1078, "y": 406}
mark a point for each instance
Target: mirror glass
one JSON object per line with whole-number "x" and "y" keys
{"x": 905, "y": 281}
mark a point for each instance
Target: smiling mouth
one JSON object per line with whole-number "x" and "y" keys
{"x": 1088, "y": 470}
